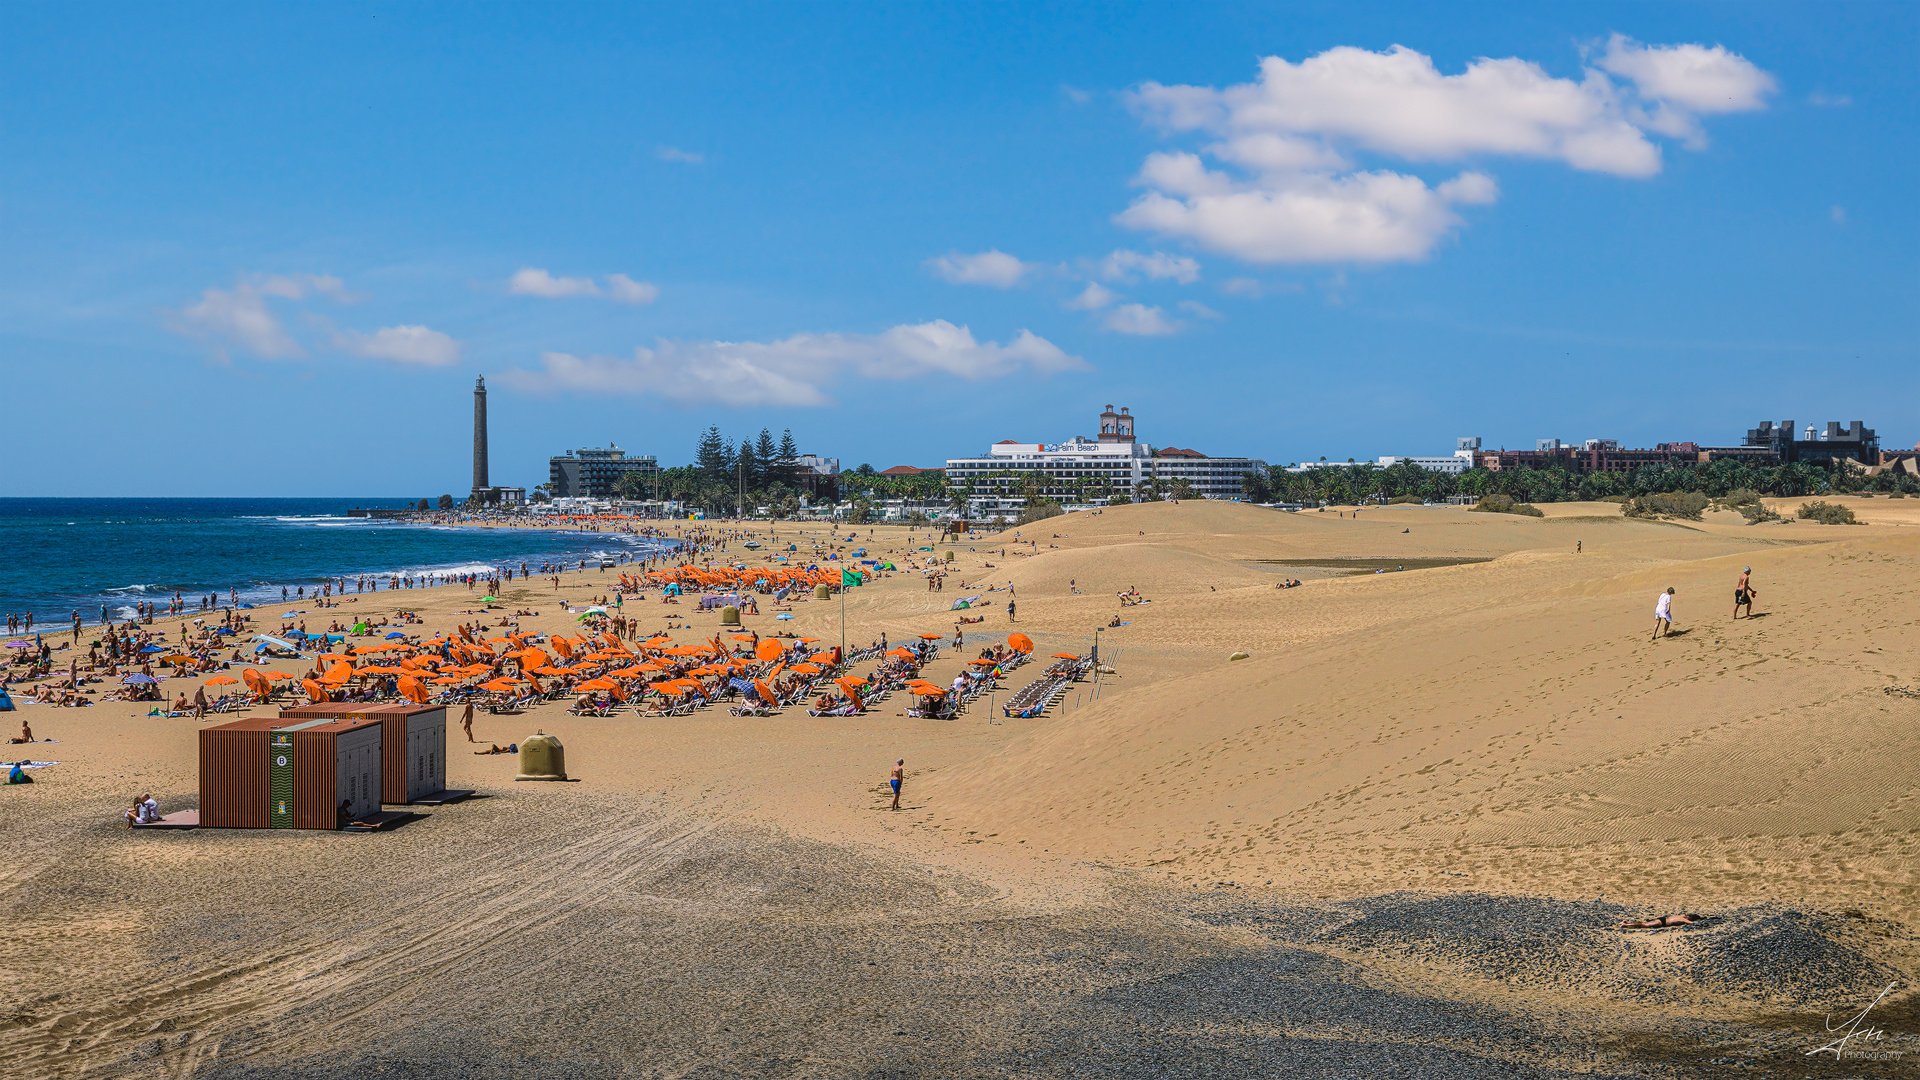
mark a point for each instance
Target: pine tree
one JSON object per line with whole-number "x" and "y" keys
{"x": 788, "y": 462}
{"x": 713, "y": 456}
{"x": 766, "y": 462}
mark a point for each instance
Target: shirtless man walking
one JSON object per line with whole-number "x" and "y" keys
{"x": 899, "y": 774}
{"x": 1663, "y": 614}
{"x": 1743, "y": 593}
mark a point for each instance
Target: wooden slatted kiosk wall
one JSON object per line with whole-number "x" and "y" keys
{"x": 275, "y": 773}
{"x": 413, "y": 744}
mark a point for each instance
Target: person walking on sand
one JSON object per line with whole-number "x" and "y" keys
{"x": 1010, "y": 611}
{"x": 466, "y": 721}
{"x": 899, "y": 774}
{"x": 1663, "y": 615}
{"x": 1744, "y": 592}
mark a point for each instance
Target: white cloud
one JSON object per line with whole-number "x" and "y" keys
{"x": 993, "y": 268}
{"x": 1829, "y": 101}
{"x": 1198, "y": 310}
{"x": 240, "y": 316}
{"x": 402, "y": 345}
{"x": 1263, "y": 151}
{"x": 1094, "y": 297}
{"x": 1696, "y": 78}
{"x": 1140, "y": 319}
{"x": 1365, "y": 217}
{"x": 533, "y": 281}
{"x": 628, "y": 291}
{"x": 1838, "y": 214}
{"x": 1681, "y": 83}
{"x": 1122, "y": 265}
{"x": 1292, "y": 194}
{"x": 1243, "y": 286}
{"x": 679, "y": 156}
{"x": 796, "y": 370}
{"x": 1397, "y": 102}
{"x": 1181, "y": 174}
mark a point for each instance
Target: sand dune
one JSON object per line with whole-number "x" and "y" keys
{"x": 1510, "y": 722}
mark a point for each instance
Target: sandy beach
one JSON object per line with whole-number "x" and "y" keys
{"x": 1392, "y": 841}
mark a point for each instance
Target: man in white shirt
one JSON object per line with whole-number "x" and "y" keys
{"x": 1663, "y": 615}
{"x": 144, "y": 811}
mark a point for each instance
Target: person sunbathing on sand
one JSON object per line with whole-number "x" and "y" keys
{"x": 512, "y": 748}
{"x": 1669, "y": 920}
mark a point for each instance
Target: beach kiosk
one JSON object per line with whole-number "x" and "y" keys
{"x": 413, "y": 746}
{"x": 277, "y": 773}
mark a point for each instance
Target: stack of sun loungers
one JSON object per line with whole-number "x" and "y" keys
{"x": 1035, "y": 697}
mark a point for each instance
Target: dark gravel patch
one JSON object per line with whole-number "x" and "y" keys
{"x": 1766, "y": 954}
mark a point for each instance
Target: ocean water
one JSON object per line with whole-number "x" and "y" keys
{"x": 63, "y": 555}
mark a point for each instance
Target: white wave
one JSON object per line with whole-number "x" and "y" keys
{"x": 482, "y": 569}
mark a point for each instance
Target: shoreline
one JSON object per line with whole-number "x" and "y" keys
{"x": 256, "y": 594}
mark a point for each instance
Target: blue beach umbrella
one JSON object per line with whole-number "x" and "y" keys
{"x": 139, "y": 679}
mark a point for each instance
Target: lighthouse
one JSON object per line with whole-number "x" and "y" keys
{"x": 480, "y": 440}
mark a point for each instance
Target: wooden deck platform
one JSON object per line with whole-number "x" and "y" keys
{"x": 179, "y": 819}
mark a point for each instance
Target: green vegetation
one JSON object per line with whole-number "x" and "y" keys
{"x": 1679, "y": 504}
{"x": 1400, "y": 499}
{"x": 1038, "y": 512}
{"x": 1827, "y": 513}
{"x": 1747, "y": 502}
{"x": 1501, "y": 504}
{"x": 1328, "y": 484}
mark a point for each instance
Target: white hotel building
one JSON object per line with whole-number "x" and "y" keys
{"x": 1114, "y": 457}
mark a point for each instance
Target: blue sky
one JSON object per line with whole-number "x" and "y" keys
{"x": 258, "y": 249}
